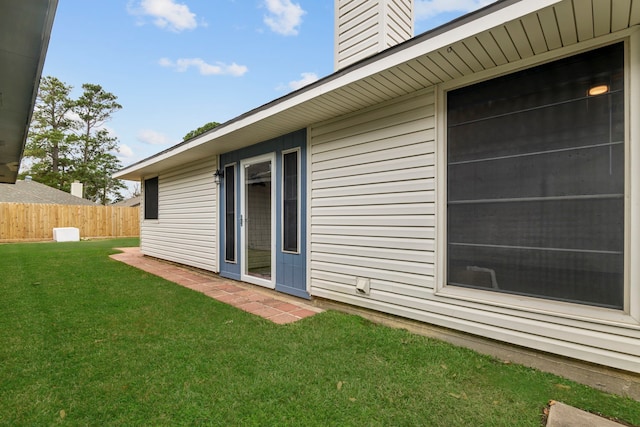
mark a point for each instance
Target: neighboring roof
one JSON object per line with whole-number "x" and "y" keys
{"x": 130, "y": 203}
{"x": 25, "y": 28}
{"x": 504, "y": 32}
{"x": 35, "y": 192}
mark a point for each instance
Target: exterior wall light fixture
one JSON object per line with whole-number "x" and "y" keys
{"x": 217, "y": 177}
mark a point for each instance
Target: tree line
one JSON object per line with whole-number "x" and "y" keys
{"x": 68, "y": 142}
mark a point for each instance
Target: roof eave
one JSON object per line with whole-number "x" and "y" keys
{"x": 30, "y": 67}
{"x": 212, "y": 142}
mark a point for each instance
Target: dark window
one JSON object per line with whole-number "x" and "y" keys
{"x": 535, "y": 181}
{"x": 290, "y": 202}
{"x": 151, "y": 198}
{"x": 230, "y": 213}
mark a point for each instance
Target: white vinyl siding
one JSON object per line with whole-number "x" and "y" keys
{"x": 372, "y": 201}
{"x": 366, "y": 27}
{"x": 373, "y": 207}
{"x": 398, "y": 22}
{"x": 185, "y": 231}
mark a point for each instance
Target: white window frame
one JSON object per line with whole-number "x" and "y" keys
{"x": 282, "y": 177}
{"x": 630, "y": 314}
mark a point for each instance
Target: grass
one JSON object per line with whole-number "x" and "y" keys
{"x": 85, "y": 340}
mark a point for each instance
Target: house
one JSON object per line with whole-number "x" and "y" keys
{"x": 481, "y": 177}
{"x": 28, "y": 191}
{"x": 25, "y": 28}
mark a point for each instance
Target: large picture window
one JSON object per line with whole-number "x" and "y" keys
{"x": 535, "y": 181}
{"x": 151, "y": 198}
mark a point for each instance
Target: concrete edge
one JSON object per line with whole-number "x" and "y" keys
{"x": 562, "y": 415}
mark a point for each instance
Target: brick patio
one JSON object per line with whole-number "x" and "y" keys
{"x": 266, "y": 303}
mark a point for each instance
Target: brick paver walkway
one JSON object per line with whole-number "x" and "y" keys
{"x": 271, "y": 305}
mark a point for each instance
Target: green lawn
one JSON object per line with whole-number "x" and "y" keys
{"x": 85, "y": 340}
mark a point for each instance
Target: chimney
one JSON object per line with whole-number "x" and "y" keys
{"x": 366, "y": 27}
{"x": 76, "y": 189}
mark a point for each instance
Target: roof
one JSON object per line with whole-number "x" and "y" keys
{"x": 35, "y": 192}
{"x": 25, "y": 28}
{"x": 130, "y": 203}
{"x": 507, "y": 31}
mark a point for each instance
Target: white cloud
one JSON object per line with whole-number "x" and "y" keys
{"x": 425, "y": 9}
{"x": 307, "y": 78}
{"x": 152, "y": 137}
{"x": 166, "y": 14}
{"x": 284, "y": 17}
{"x": 219, "y": 68}
{"x": 125, "y": 152}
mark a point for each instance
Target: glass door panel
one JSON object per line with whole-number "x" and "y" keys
{"x": 257, "y": 221}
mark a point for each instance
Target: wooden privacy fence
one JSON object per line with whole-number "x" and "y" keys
{"x": 29, "y": 221}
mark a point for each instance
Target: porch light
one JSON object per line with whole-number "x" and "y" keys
{"x": 598, "y": 90}
{"x": 217, "y": 177}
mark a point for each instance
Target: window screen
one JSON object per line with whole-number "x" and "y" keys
{"x": 151, "y": 198}
{"x": 290, "y": 201}
{"x": 535, "y": 181}
{"x": 230, "y": 213}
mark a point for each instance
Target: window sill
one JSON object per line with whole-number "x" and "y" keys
{"x": 541, "y": 306}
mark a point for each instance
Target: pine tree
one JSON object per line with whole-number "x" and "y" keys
{"x": 94, "y": 161}
{"x": 68, "y": 141}
{"x": 50, "y": 141}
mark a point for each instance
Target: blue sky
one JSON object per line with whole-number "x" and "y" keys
{"x": 177, "y": 64}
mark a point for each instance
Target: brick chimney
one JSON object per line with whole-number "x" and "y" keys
{"x": 366, "y": 27}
